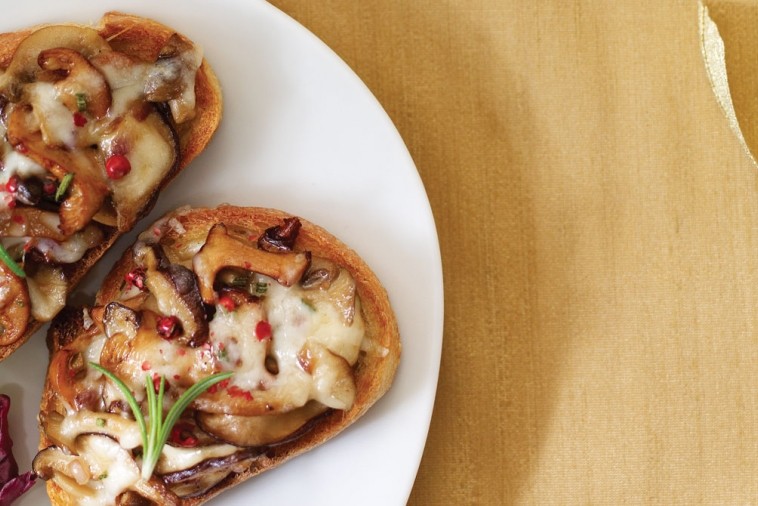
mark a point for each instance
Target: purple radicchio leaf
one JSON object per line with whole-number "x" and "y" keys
{"x": 14, "y": 488}
{"x": 12, "y": 484}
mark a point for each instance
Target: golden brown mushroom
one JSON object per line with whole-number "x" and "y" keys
{"x": 223, "y": 250}
{"x": 24, "y": 65}
{"x": 87, "y": 190}
{"x": 265, "y": 430}
{"x": 84, "y": 87}
{"x": 32, "y": 222}
{"x": 176, "y": 292}
{"x": 14, "y": 306}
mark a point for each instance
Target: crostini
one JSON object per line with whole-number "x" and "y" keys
{"x": 224, "y": 342}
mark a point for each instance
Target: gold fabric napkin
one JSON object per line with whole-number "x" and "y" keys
{"x": 598, "y": 220}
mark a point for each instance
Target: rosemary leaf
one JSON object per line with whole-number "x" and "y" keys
{"x": 12, "y": 265}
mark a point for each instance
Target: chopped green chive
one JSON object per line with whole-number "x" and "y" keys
{"x": 261, "y": 288}
{"x": 240, "y": 281}
{"x": 100, "y": 422}
{"x": 63, "y": 187}
{"x": 81, "y": 102}
{"x": 12, "y": 265}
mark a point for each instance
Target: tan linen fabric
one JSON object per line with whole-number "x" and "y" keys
{"x": 598, "y": 221}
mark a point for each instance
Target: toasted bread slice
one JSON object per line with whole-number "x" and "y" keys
{"x": 97, "y": 121}
{"x": 298, "y": 317}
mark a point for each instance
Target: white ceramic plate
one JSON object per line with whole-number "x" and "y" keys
{"x": 303, "y": 134}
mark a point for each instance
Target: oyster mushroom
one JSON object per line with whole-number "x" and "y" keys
{"x": 64, "y": 368}
{"x": 82, "y": 80}
{"x": 32, "y": 222}
{"x": 223, "y": 250}
{"x": 54, "y": 459}
{"x": 87, "y": 190}
{"x": 14, "y": 306}
{"x": 201, "y": 477}
{"x": 118, "y": 318}
{"x": 280, "y": 238}
{"x": 338, "y": 290}
{"x": 24, "y": 65}
{"x": 172, "y": 77}
{"x": 176, "y": 292}
{"x": 47, "y": 288}
{"x": 320, "y": 274}
{"x": 64, "y": 430}
{"x": 264, "y": 430}
{"x": 101, "y": 469}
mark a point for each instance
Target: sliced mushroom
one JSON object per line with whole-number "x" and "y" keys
{"x": 265, "y": 430}
{"x": 199, "y": 478}
{"x": 54, "y": 459}
{"x": 320, "y": 274}
{"x": 47, "y": 292}
{"x": 172, "y": 77}
{"x": 333, "y": 383}
{"x": 222, "y": 250}
{"x": 280, "y": 238}
{"x": 24, "y": 66}
{"x": 118, "y": 318}
{"x": 116, "y": 471}
{"x": 87, "y": 189}
{"x": 174, "y": 458}
{"x": 82, "y": 80}
{"x": 152, "y": 147}
{"x": 199, "y": 484}
{"x": 64, "y": 430}
{"x": 131, "y": 359}
{"x": 65, "y": 366}
{"x": 29, "y": 192}
{"x": 176, "y": 292}
{"x": 14, "y": 306}
{"x": 32, "y": 222}
{"x": 70, "y": 250}
{"x": 340, "y": 291}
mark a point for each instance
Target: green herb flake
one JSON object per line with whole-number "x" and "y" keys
{"x": 222, "y": 354}
{"x": 261, "y": 288}
{"x": 156, "y": 433}
{"x": 100, "y": 422}
{"x": 81, "y": 102}
{"x": 103, "y": 476}
{"x": 240, "y": 281}
{"x": 63, "y": 187}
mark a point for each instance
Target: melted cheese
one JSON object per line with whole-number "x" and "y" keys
{"x": 298, "y": 328}
{"x": 112, "y": 469}
{"x": 177, "y": 459}
{"x": 54, "y": 119}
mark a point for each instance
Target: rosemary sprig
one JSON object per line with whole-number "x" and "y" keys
{"x": 155, "y": 432}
